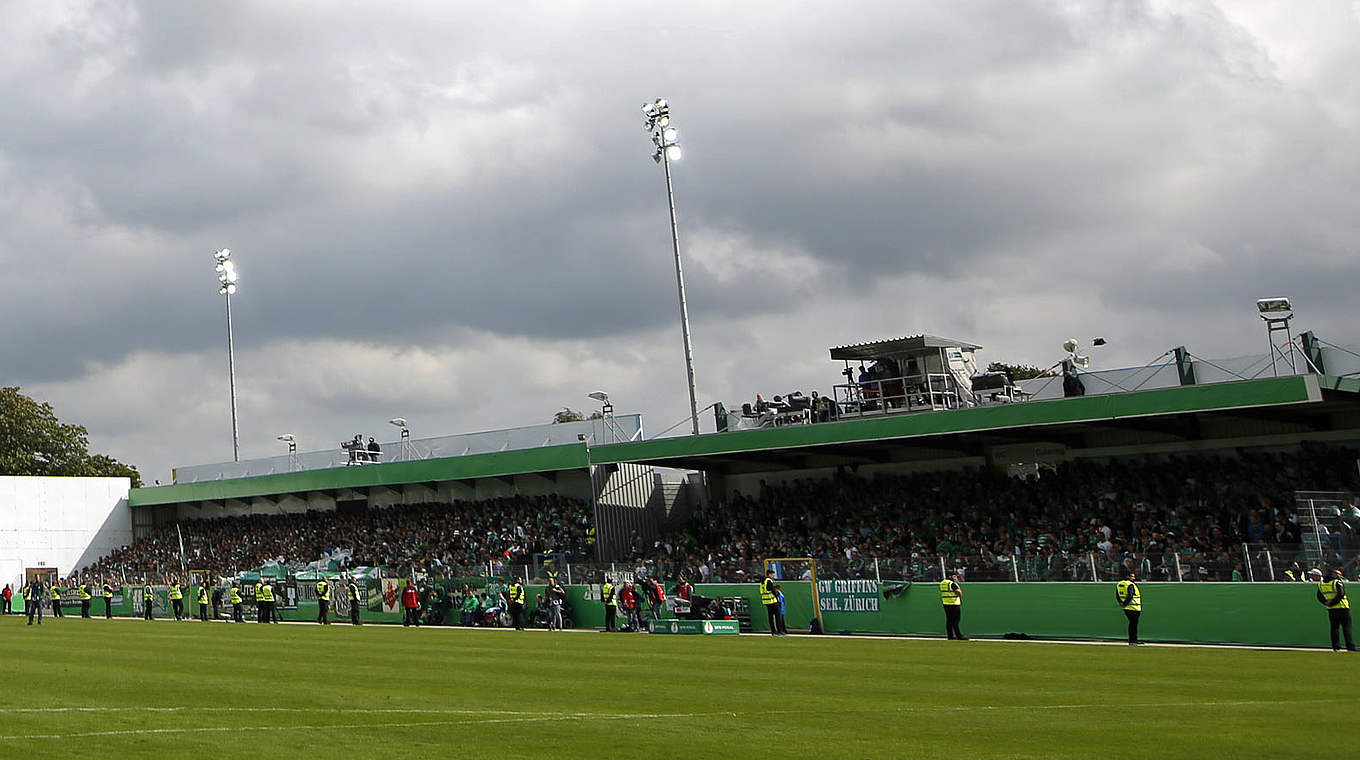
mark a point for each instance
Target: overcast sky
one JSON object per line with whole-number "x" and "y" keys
{"x": 447, "y": 211}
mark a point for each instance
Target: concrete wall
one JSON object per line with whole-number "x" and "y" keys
{"x": 62, "y": 523}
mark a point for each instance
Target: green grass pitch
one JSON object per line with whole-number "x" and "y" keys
{"x": 131, "y": 689}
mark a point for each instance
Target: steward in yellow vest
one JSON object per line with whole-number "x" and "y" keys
{"x": 56, "y": 601}
{"x": 203, "y": 602}
{"x": 264, "y": 602}
{"x": 771, "y": 602}
{"x": 1127, "y": 596}
{"x": 177, "y": 600}
{"x": 108, "y": 600}
{"x": 1332, "y": 595}
{"x": 84, "y": 599}
{"x": 951, "y": 597}
{"x": 323, "y": 602}
{"x": 148, "y": 600}
{"x": 610, "y": 610}
{"x": 236, "y": 604}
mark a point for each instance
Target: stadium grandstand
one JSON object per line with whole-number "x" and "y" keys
{"x": 1187, "y": 469}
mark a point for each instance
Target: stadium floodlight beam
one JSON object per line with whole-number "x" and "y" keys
{"x": 226, "y": 286}
{"x": 1276, "y": 313}
{"x": 657, "y": 122}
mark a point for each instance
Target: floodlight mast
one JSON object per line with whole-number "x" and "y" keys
{"x": 658, "y": 123}
{"x": 1276, "y": 313}
{"x": 226, "y": 278}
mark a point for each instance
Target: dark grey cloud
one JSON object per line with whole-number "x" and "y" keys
{"x": 402, "y": 176}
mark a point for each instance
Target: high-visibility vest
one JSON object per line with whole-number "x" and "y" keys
{"x": 25, "y": 592}
{"x": 203, "y": 595}
{"x": 950, "y": 593}
{"x": 767, "y": 592}
{"x": 1330, "y": 591}
{"x": 353, "y": 591}
{"x": 175, "y": 593}
{"x": 323, "y": 591}
{"x": 84, "y": 592}
{"x": 148, "y": 594}
{"x": 56, "y": 594}
{"x": 1129, "y": 589}
{"x": 590, "y": 536}
{"x": 516, "y": 594}
{"x": 265, "y": 592}
{"x": 235, "y": 595}
{"x": 607, "y": 591}
{"x": 108, "y": 591}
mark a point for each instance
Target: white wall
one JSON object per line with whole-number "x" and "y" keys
{"x": 64, "y": 523}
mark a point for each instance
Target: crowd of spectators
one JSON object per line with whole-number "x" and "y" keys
{"x": 1173, "y": 516}
{"x": 436, "y": 537}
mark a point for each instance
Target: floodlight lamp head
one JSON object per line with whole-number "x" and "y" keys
{"x": 1081, "y": 361}
{"x": 398, "y": 421}
{"x": 669, "y": 134}
{"x": 222, "y": 254}
{"x": 657, "y": 156}
{"x": 673, "y": 152}
{"x": 599, "y": 396}
{"x": 1273, "y": 305}
{"x": 230, "y": 289}
{"x": 1070, "y": 345}
{"x": 287, "y": 438}
{"x": 663, "y": 120}
{"x": 649, "y": 110}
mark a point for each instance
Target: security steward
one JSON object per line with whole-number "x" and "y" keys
{"x": 203, "y": 603}
{"x": 323, "y": 602}
{"x": 85, "y": 599}
{"x": 1332, "y": 595}
{"x": 177, "y": 600}
{"x": 610, "y": 611}
{"x": 236, "y": 604}
{"x": 353, "y": 588}
{"x": 516, "y": 592}
{"x": 264, "y": 602}
{"x": 771, "y": 602}
{"x": 951, "y": 596}
{"x": 107, "y": 591}
{"x": 1127, "y": 596}
{"x": 148, "y": 600}
{"x": 56, "y": 601}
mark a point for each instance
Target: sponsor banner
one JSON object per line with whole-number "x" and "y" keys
{"x": 848, "y": 595}
{"x": 696, "y": 627}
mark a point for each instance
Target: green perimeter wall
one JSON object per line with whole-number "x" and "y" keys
{"x": 1280, "y": 614}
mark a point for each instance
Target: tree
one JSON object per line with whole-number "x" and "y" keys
{"x": 567, "y": 415}
{"x": 34, "y": 442}
{"x": 1019, "y": 372}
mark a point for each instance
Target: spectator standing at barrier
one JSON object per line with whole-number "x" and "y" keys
{"x": 1331, "y": 594}
{"x": 610, "y": 610}
{"x": 236, "y": 600}
{"x": 684, "y": 590}
{"x": 516, "y": 599}
{"x": 353, "y": 589}
{"x": 148, "y": 600}
{"x": 85, "y": 599}
{"x": 557, "y": 598}
{"x": 374, "y": 450}
{"x": 203, "y": 603}
{"x": 1129, "y": 600}
{"x": 951, "y": 597}
{"x": 216, "y": 602}
{"x": 771, "y": 602}
{"x": 177, "y": 598}
{"x": 323, "y": 602}
{"x": 36, "y": 591}
{"x": 6, "y": 601}
{"x": 410, "y": 604}
{"x": 783, "y": 618}
{"x": 629, "y": 603}
{"x": 107, "y": 590}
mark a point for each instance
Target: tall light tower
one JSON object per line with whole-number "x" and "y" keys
{"x": 226, "y": 279}
{"x": 657, "y": 122}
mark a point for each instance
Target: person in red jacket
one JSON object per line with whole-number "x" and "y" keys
{"x": 628, "y": 602}
{"x": 410, "y": 603}
{"x": 684, "y": 590}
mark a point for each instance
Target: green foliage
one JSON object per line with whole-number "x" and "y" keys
{"x": 567, "y": 415}
{"x": 34, "y": 442}
{"x": 1019, "y": 372}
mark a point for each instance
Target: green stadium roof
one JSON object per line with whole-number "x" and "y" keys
{"x": 1167, "y": 414}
